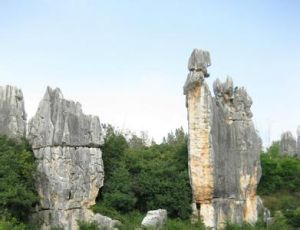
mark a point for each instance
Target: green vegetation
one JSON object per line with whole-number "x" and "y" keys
{"x": 141, "y": 177}
{"x": 17, "y": 193}
{"x": 280, "y": 186}
{"x": 88, "y": 226}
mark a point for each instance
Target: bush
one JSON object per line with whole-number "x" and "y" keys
{"x": 88, "y": 226}
{"x": 17, "y": 168}
{"x": 12, "y": 224}
{"x": 279, "y": 173}
{"x": 279, "y": 187}
{"x": 179, "y": 224}
{"x": 140, "y": 177}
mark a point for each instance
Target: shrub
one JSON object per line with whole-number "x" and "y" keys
{"x": 88, "y": 226}
{"x": 17, "y": 168}
{"x": 142, "y": 178}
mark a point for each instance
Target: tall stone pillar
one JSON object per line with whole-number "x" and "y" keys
{"x": 12, "y": 112}
{"x": 288, "y": 144}
{"x": 298, "y": 141}
{"x": 224, "y": 148}
{"x": 66, "y": 144}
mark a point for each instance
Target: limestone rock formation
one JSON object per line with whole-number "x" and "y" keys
{"x": 12, "y": 112}
{"x": 298, "y": 141}
{"x": 70, "y": 168}
{"x": 224, "y": 149}
{"x": 288, "y": 145}
{"x": 155, "y": 219}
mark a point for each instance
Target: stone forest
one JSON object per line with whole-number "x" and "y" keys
{"x": 63, "y": 169}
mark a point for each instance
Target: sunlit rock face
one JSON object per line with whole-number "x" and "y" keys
{"x": 288, "y": 144}
{"x": 70, "y": 168}
{"x": 12, "y": 112}
{"x": 224, "y": 148}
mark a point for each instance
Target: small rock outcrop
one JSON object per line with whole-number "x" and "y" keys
{"x": 288, "y": 144}
{"x": 224, "y": 148}
{"x": 70, "y": 168}
{"x": 12, "y": 112}
{"x": 155, "y": 219}
{"x": 298, "y": 141}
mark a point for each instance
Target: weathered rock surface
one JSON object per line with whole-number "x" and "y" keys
{"x": 61, "y": 122}
{"x": 298, "y": 141}
{"x": 70, "y": 168}
{"x": 155, "y": 219}
{"x": 68, "y": 219}
{"x": 288, "y": 145}
{"x": 12, "y": 112}
{"x": 224, "y": 150}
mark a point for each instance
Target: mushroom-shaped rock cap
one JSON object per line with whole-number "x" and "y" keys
{"x": 199, "y": 60}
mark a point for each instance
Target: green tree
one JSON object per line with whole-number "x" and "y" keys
{"x": 279, "y": 187}
{"x": 17, "y": 168}
{"x": 141, "y": 177}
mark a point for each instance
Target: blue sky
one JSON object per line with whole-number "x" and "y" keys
{"x": 126, "y": 60}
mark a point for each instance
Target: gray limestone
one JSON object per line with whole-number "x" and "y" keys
{"x": 199, "y": 61}
{"x": 298, "y": 141}
{"x": 154, "y": 219}
{"x": 61, "y": 122}
{"x": 224, "y": 149}
{"x": 288, "y": 145}
{"x": 12, "y": 112}
{"x": 70, "y": 168}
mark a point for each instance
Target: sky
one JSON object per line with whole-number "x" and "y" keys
{"x": 126, "y": 61}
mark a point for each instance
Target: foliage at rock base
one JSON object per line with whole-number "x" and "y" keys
{"x": 17, "y": 192}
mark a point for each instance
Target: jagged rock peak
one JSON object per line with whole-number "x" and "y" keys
{"x": 61, "y": 122}
{"x": 288, "y": 145}
{"x": 236, "y": 100}
{"x": 12, "y": 112}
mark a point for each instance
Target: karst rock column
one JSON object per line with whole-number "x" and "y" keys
{"x": 70, "y": 168}
{"x": 288, "y": 144}
{"x": 298, "y": 141}
{"x": 12, "y": 112}
{"x": 224, "y": 148}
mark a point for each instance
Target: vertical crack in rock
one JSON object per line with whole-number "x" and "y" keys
{"x": 70, "y": 168}
{"x": 224, "y": 148}
{"x": 12, "y": 112}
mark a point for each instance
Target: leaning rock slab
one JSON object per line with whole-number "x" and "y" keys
{"x": 12, "y": 112}
{"x": 155, "y": 219}
{"x": 70, "y": 168}
{"x": 224, "y": 149}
